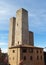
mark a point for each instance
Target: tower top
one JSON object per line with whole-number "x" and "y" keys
{"x": 22, "y": 9}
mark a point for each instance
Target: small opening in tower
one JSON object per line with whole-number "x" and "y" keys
{"x": 18, "y": 42}
{"x": 13, "y": 51}
{"x": 17, "y": 24}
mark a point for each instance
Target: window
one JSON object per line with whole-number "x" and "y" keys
{"x": 24, "y": 50}
{"x": 30, "y": 57}
{"x": 40, "y": 51}
{"x": 13, "y": 51}
{"x": 37, "y": 57}
{"x": 31, "y": 50}
{"x": 17, "y": 24}
{"x": 41, "y": 57}
{"x": 24, "y": 57}
{"x": 37, "y": 51}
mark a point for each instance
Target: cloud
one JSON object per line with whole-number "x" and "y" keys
{"x": 4, "y": 27}
{"x": 3, "y": 37}
{"x": 3, "y": 44}
{"x": 45, "y": 49}
{"x": 4, "y": 50}
{"x": 37, "y": 20}
{"x": 39, "y": 42}
{"x": 7, "y": 10}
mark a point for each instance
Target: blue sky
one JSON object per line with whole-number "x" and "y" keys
{"x": 36, "y": 19}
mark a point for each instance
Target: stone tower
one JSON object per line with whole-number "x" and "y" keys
{"x": 21, "y": 29}
{"x": 18, "y": 32}
{"x": 21, "y": 50}
{"x": 12, "y": 32}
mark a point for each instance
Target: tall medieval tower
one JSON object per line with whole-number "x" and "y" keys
{"x": 12, "y": 32}
{"x": 18, "y": 32}
{"x": 21, "y": 42}
{"x": 21, "y": 29}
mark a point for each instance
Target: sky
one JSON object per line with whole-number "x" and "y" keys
{"x": 36, "y": 20}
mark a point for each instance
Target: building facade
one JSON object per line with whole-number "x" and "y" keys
{"x": 21, "y": 50}
{"x": 45, "y": 58}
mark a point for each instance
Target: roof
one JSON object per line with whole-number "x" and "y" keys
{"x": 25, "y": 46}
{"x": 22, "y": 9}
